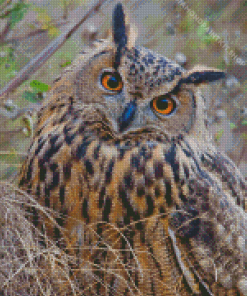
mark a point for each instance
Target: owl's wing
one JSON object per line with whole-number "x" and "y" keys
{"x": 208, "y": 228}
{"x": 233, "y": 181}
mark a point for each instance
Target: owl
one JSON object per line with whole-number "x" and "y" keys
{"x": 122, "y": 156}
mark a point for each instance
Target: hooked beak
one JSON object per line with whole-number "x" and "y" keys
{"x": 127, "y": 116}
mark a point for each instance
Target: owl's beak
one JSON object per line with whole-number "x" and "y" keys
{"x": 127, "y": 116}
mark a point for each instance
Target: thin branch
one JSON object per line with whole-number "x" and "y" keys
{"x": 42, "y": 57}
{"x": 34, "y": 33}
{"x": 5, "y": 31}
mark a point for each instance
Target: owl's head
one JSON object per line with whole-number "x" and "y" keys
{"x": 137, "y": 91}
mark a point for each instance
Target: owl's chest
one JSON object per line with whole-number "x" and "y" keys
{"x": 120, "y": 183}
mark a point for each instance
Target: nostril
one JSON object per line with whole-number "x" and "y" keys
{"x": 127, "y": 116}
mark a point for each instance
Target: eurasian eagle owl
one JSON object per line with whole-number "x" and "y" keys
{"x": 122, "y": 152}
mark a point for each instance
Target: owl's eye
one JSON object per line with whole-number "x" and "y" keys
{"x": 164, "y": 104}
{"x": 111, "y": 81}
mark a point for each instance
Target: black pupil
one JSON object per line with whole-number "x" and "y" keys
{"x": 162, "y": 104}
{"x": 113, "y": 82}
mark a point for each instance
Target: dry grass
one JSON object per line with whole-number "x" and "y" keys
{"x": 26, "y": 266}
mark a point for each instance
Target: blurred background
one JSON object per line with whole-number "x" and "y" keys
{"x": 208, "y": 32}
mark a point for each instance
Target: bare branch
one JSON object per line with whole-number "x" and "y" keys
{"x": 5, "y": 31}
{"x": 42, "y": 57}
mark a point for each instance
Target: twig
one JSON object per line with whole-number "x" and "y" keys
{"x": 34, "y": 33}
{"x": 5, "y": 31}
{"x": 42, "y": 57}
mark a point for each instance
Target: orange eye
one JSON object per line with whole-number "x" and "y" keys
{"x": 163, "y": 104}
{"x": 111, "y": 81}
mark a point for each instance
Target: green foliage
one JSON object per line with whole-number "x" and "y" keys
{"x": 232, "y": 125}
{"x": 65, "y": 64}
{"x": 202, "y": 33}
{"x": 244, "y": 136}
{"x": 30, "y": 96}
{"x": 222, "y": 64}
{"x": 213, "y": 15}
{"x": 46, "y": 21}
{"x": 8, "y": 66}
{"x": 202, "y": 38}
{"x": 219, "y": 135}
{"x": 187, "y": 24}
{"x": 36, "y": 94}
{"x": 15, "y": 13}
{"x": 39, "y": 86}
{"x": 67, "y": 55}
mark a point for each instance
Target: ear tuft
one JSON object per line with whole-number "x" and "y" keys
{"x": 119, "y": 28}
{"x": 119, "y": 32}
{"x": 200, "y": 75}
